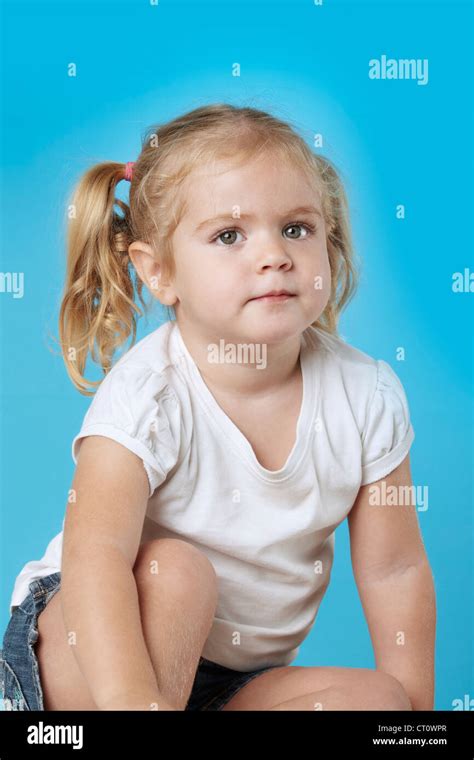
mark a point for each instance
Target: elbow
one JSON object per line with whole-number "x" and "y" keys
{"x": 400, "y": 570}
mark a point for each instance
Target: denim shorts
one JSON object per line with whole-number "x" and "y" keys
{"x": 20, "y": 682}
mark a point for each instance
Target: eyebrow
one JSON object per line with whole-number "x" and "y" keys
{"x": 226, "y": 217}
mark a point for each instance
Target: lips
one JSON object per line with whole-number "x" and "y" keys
{"x": 274, "y": 293}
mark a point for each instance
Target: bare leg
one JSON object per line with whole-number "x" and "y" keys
{"x": 296, "y": 687}
{"x": 177, "y": 607}
{"x": 337, "y": 698}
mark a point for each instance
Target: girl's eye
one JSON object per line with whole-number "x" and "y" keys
{"x": 229, "y": 241}
{"x": 309, "y": 228}
{"x": 226, "y": 232}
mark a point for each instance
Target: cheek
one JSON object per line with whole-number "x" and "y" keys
{"x": 194, "y": 271}
{"x": 318, "y": 276}
{"x": 223, "y": 274}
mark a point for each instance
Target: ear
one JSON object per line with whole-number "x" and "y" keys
{"x": 149, "y": 270}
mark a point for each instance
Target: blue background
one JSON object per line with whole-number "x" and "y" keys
{"x": 394, "y": 141}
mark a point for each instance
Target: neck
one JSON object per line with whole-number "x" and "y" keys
{"x": 251, "y": 370}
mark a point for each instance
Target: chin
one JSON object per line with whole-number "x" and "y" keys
{"x": 274, "y": 333}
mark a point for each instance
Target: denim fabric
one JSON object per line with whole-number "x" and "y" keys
{"x": 20, "y": 683}
{"x": 214, "y": 685}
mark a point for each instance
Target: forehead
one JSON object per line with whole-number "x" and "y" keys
{"x": 267, "y": 183}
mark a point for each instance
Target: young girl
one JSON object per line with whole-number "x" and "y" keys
{"x": 221, "y": 451}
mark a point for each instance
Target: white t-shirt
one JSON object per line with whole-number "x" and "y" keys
{"x": 269, "y": 534}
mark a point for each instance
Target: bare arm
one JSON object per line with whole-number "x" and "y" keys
{"x": 395, "y": 585}
{"x": 99, "y": 595}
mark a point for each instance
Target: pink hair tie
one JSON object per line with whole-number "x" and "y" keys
{"x": 129, "y": 170}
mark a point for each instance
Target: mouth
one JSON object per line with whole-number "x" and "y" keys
{"x": 274, "y": 296}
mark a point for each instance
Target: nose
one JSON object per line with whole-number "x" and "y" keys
{"x": 273, "y": 256}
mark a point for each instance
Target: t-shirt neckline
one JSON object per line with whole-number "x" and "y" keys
{"x": 311, "y": 380}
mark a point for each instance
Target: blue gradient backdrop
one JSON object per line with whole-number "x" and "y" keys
{"x": 394, "y": 141}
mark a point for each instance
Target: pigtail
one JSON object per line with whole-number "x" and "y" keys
{"x": 98, "y": 312}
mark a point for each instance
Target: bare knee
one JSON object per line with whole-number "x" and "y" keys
{"x": 179, "y": 565}
{"x": 387, "y": 692}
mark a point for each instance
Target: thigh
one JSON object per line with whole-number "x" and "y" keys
{"x": 40, "y": 671}
{"x": 288, "y": 682}
{"x": 35, "y": 653}
{"x": 63, "y": 685}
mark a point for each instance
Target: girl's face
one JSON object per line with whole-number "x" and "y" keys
{"x": 270, "y": 235}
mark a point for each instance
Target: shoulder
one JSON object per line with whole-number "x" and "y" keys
{"x": 357, "y": 387}
{"x": 371, "y": 387}
{"x": 143, "y": 373}
{"x": 154, "y": 353}
{"x": 343, "y": 366}
{"x": 137, "y": 405}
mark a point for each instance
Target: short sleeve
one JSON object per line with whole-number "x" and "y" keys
{"x": 388, "y": 432}
{"x": 137, "y": 408}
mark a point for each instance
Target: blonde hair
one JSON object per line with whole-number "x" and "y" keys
{"x": 98, "y": 309}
